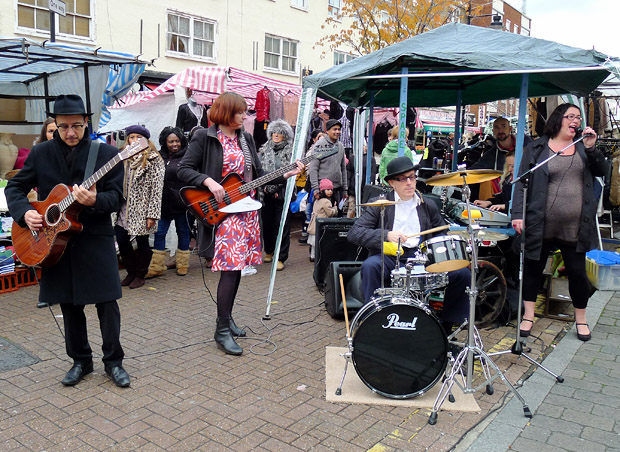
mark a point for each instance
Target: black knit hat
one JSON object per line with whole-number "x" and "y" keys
{"x": 331, "y": 123}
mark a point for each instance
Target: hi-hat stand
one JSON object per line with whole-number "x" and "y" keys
{"x": 473, "y": 348}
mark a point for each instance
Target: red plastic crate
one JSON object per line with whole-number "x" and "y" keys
{"x": 8, "y": 282}
{"x": 26, "y": 277}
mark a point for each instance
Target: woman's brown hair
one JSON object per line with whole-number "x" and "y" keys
{"x": 225, "y": 107}
{"x": 43, "y": 135}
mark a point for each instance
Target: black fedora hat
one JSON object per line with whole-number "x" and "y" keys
{"x": 399, "y": 166}
{"x": 68, "y": 104}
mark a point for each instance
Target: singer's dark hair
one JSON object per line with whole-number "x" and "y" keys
{"x": 554, "y": 123}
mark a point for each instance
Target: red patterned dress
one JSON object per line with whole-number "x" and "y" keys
{"x": 237, "y": 239}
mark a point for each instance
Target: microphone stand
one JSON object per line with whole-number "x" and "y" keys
{"x": 517, "y": 347}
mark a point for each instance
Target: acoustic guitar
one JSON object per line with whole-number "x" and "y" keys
{"x": 60, "y": 211}
{"x": 203, "y": 205}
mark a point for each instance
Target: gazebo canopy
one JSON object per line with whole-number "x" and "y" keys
{"x": 484, "y": 64}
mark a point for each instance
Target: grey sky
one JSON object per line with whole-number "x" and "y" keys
{"x": 578, "y": 23}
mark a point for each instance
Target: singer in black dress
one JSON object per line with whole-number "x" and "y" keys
{"x": 560, "y": 209}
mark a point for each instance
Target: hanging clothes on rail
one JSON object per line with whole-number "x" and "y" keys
{"x": 276, "y": 105}
{"x": 291, "y": 106}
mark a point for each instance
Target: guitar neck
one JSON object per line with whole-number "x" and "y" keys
{"x": 92, "y": 180}
{"x": 246, "y": 188}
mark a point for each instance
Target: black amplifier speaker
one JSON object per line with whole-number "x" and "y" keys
{"x": 332, "y": 245}
{"x": 351, "y": 277}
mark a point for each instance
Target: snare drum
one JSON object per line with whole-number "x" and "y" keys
{"x": 400, "y": 350}
{"x": 445, "y": 253}
{"x": 419, "y": 279}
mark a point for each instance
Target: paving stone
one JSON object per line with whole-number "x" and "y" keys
{"x": 574, "y": 443}
{"x": 188, "y": 395}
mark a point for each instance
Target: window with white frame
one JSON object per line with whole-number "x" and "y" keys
{"x": 280, "y": 53}
{"x": 190, "y": 36}
{"x": 35, "y": 15}
{"x": 342, "y": 57}
{"x": 333, "y": 8}
{"x": 303, "y": 4}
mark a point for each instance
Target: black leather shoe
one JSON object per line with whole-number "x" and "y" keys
{"x": 76, "y": 373}
{"x": 119, "y": 376}
{"x": 584, "y": 337}
{"x": 42, "y": 304}
{"x": 526, "y": 333}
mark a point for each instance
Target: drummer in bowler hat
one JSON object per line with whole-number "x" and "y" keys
{"x": 409, "y": 214}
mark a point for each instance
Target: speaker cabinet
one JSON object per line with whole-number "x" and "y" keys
{"x": 332, "y": 245}
{"x": 351, "y": 277}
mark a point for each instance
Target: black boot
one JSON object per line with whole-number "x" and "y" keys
{"x": 235, "y": 330}
{"x": 129, "y": 261}
{"x": 142, "y": 261}
{"x": 223, "y": 337}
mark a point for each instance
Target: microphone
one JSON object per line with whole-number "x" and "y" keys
{"x": 579, "y": 132}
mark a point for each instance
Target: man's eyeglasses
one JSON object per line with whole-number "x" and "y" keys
{"x": 75, "y": 127}
{"x": 571, "y": 117}
{"x": 405, "y": 178}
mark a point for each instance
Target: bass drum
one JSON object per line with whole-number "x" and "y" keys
{"x": 400, "y": 350}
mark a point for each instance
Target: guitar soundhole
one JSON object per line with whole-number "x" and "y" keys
{"x": 52, "y": 215}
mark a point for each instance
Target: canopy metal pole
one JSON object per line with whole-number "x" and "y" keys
{"x": 402, "y": 127}
{"x": 88, "y": 105}
{"x": 525, "y": 78}
{"x": 370, "y": 134}
{"x": 304, "y": 114}
{"x": 482, "y": 73}
{"x": 457, "y": 130}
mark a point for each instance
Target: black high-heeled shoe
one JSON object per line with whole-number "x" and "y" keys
{"x": 526, "y": 333}
{"x": 583, "y": 337}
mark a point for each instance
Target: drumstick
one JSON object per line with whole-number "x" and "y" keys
{"x": 344, "y": 305}
{"x": 429, "y": 231}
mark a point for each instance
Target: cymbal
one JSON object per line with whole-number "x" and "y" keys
{"x": 379, "y": 202}
{"x": 463, "y": 177}
{"x": 481, "y": 234}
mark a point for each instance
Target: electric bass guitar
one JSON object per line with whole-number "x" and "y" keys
{"x": 60, "y": 211}
{"x": 203, "y": 205}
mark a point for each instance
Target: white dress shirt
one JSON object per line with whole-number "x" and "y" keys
{"x": 406, "y": 219}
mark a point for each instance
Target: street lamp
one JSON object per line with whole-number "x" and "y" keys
{"x": 497, "y": 23}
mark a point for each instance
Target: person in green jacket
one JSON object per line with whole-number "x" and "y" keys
{"x": 390, "y": 152}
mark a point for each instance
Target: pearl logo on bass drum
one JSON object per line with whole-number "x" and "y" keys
{"x": 394, "y": 323}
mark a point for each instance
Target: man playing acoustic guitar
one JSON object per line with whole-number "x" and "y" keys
{"x": 87, "y": 271}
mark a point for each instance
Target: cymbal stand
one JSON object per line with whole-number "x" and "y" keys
{"x": 349, "y": 354}
{"x": 517, "y": 346}
{"x": 473, "y": 348}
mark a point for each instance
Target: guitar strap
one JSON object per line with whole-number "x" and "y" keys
{"x": 247, "y": 154}
{"x": 92, "y": 159}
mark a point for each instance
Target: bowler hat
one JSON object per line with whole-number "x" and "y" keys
{"x": 68, "y": 104}
{"x": 331, "y": 123}
{"x": 398, "y": 166}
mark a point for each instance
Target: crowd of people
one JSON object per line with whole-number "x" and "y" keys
{"x": 142, "y": 196}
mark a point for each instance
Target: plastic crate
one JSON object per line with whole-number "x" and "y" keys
{"x": 26, "y": 276}
{"x": 603, "y": 277}
{"x": 8, "y": 282}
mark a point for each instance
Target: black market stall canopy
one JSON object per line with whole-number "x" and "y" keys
{"x": 484, "y": 64}
{"x": 39, "y": 71}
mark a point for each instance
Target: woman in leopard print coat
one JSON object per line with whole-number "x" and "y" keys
{"x": 142, "y": 189}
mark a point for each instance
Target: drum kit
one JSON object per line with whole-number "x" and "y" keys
{"x": 396, "y": 343}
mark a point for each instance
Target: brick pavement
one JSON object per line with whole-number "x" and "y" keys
{"x": 583, "y": 413}
{"x": 187, "y": 395}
